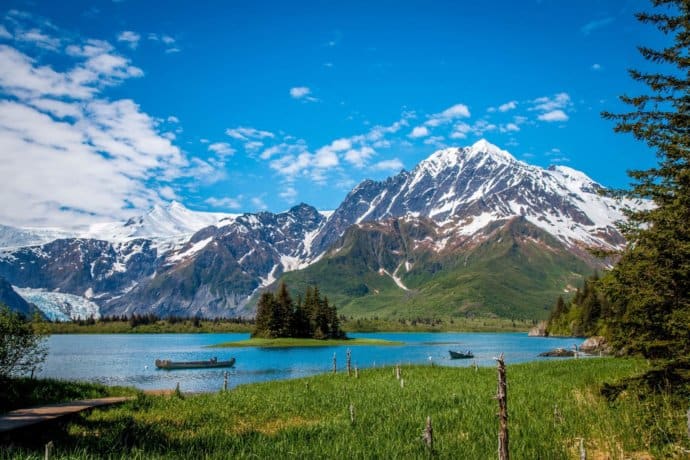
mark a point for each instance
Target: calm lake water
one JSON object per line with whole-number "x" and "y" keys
{"x": 128, "y": 359}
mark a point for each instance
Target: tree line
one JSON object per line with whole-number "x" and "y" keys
{"x": 277, "y": 315}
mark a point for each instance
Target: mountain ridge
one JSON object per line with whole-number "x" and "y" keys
{"x": 154, "y": 263}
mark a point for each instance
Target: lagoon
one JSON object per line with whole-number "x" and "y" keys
{"x": 128, "y": 359}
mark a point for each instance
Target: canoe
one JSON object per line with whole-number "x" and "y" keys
{"x": 211, "y": 363}
{"x": 460, "y": 355}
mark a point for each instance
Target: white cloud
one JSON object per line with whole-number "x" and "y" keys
{"x": 289, "y": 194}
{"x": 554, "y": 115}
{"x": 258, "y": 203}
{"x": 507, "y": 106}
{"x": 482, "y": 126}
{"x": 4, "y": 33}
{"x": 221, "y": 148}
{"x": 173, "y": 119}
{"x": 547, "y": 104}
{"x": 299, "y": 92}
{"x": 302, "y": 93}
{"x": 388, "y": 165}
{"x": 359, "y": 157}
{"x": 456, "y": 111}
{"x": 596, "y": 66}
{"x": 70, "y": 156}
{"x": 595, "y": 24}
{"x": 324, "y": 158}
{"x": 436, "y": 141}
{"x": 38, "y": 38}
{"x": 339, "y": 145}
{"x": 129, "y": 37}
{"x": 225, "y": 202}
{"x": 166, "y": 40}
{"x": 419, "y": 131}
{"x": 460, "y": 130}
{"x": 509, "y": 127}
{"x": 451, "y": 113}
{"x": 245, "y": 134}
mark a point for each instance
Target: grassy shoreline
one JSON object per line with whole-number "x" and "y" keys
{"x": 296, "y": 342}
{"x": 551, "y": 406}
{"x": 363, "y": 324}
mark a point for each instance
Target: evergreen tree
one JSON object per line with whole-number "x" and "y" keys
{"x": 283, "y": 312}
{"x": 649, "y": 288}
{"x": 264, "y": 315}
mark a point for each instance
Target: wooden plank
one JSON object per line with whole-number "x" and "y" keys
{"x": 24, "y": 417}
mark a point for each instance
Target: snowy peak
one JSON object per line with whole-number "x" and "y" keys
{"x": 468, "y": 157}
{"x": 485, "y": 147}
{"x": 169, "y": 222}
{"x": 465, "y": 188}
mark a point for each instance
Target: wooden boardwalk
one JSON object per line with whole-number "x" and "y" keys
{"x": 24, "y": 417}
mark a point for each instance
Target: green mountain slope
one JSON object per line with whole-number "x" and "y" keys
{"x": 510, "y": 269}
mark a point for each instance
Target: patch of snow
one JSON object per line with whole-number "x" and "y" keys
{"x": 394, "y": 277}
{"x": 196, "y": 247}
{"x": 270, "y": 278}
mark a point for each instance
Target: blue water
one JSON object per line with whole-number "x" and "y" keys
{"x": 127, "y": 359}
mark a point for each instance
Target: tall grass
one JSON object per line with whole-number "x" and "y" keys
{"x": 311, "y": 418}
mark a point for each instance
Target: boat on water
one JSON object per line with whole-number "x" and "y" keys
{"x": 460, "y": 354}
{"x": 210, "y": 363}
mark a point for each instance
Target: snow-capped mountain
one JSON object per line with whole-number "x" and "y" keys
{"x": 165, "y": 225}
{"x": 464, "y": 189}
{"x": 176, "y": 261}
{"x": 171, "y": 222}
{"x": 218, "y": 270}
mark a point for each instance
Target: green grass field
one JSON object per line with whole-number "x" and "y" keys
{"x": 295, "y": 342}
{"x": 552, "y": 405}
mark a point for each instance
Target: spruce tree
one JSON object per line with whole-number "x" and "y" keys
{"x": 649, "y": 288}
{"x": 264, "y": 315}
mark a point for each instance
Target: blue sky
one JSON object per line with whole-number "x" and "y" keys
{"x": 107, "y": 108}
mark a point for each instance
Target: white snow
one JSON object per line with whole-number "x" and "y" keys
{"x": 193, "y": 249}
{"x": 394, "y": 277}
{"x": 270, "y": 278}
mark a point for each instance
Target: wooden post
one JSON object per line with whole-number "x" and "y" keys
{"x": 335, "y": 367}
{"x": 402, "y": 383}
{"x": 428, "y": 434}
{"x": 356, "y": 372}
{"x": 583, "y": 453}
{"x": 225, "y": 381}
{"x": 352, "y": 414}
{"x": 49, "y": 449}
{"x": 397, "y": 371}
{"x": 348, "y": 361}
{"x": 502, "y": 397}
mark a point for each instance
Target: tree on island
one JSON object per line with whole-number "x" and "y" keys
{"x": 649, "y": 288}
{"x": 278, "y": 316}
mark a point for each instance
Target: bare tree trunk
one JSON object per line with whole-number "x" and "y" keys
{"x": 428, "y": 434}
{"x": 335, "y": 367}
{"x": 502, "y": 397}
{"x": 349, "y": 361}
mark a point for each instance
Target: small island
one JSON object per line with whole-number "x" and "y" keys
{"x": 309, "y": 322}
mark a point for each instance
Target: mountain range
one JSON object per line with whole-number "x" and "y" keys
{"x": 468, "y": 231}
